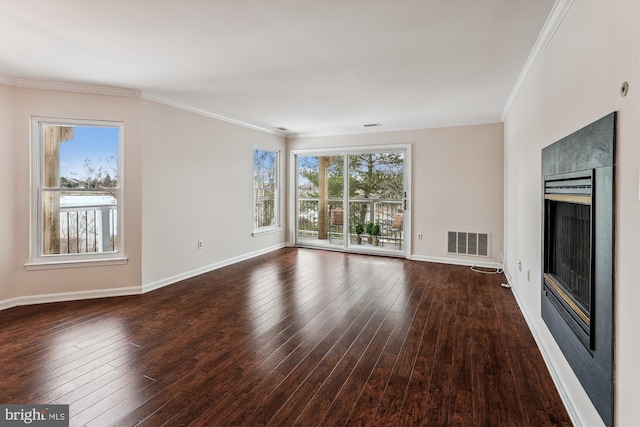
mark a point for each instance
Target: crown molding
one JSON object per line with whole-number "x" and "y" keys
{"x": 118, "y": 91}
{"x": 484, "y": 120}
{"x": 6, "y": 80}
{"x": 176, "y": 104}
{"x": 549, "y": 28}
{"x": 78, "y": 88}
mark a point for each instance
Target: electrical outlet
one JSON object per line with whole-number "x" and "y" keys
{"x": 419, "y": 236}
{"x": 200, "y": 244}
{"x": 520, "y": 265}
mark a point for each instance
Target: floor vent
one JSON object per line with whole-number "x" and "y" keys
{"x": 464, "y": 243}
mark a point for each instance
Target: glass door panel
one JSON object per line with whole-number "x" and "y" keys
{"x": 377, "y": 199}
{"x": 354, "y": 201}
{"x": 321, "y": 219}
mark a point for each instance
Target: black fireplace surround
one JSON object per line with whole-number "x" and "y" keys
{"x": 578, "y": 174}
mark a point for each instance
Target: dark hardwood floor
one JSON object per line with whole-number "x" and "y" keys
{"x": 297, "y": 337}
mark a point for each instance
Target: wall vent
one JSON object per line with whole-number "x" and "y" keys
{"x": 465, "y": 243}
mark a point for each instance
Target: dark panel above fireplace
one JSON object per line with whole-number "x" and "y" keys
{"x": 578, "y": 174}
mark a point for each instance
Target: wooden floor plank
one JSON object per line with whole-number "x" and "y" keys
{"x": 346, "y": 399}
{"x": 291, "y": 393}
{"x": 390, "y": 407}
{"x": 161, "y": 416}
{"x": 143, "y": 411}
{"x": 424, "y": 388}
{"x": 316, "y": 407}
{"x": 294, "y": 337}
{"x": 274, "y": 369}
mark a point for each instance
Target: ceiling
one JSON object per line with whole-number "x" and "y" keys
{"x": 315, "y": 67}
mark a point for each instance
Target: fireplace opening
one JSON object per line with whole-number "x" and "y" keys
{"x": 568, "y": 252}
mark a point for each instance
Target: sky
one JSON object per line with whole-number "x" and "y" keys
{"x": 100, "y": 144}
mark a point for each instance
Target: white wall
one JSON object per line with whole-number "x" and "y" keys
{"x": 197, "y": 184}
{"x": 29, "y": 286}
{"x": 576, "y": 82}
{"x": 457, "y": 178}
{"x": 7, "y": 192}
{"x": 187, "y": 177}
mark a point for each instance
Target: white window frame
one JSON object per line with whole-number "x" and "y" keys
{"x": 39, "y": 261}
{"x": 276, "y": 209}
{"x": 345, "y": 151}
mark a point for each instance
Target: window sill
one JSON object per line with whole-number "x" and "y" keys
{"x": 50, "y": 265}
{"x": 267, "y": 231}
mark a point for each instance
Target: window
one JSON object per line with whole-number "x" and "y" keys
{"x": 265, "y": 190}
{"x": 77, "y": 192}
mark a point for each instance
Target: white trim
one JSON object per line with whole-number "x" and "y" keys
{"x": 78, "y": 88}
{"x": 407, "y": 224}
{"x": 574, "y": 414}
{"x": 506, "y": 272}
{"x": 179, "y": 105}
{"x": 490, "y": 119}
{"x": 134, "y": 290}
{"x": 186, "y": 275}
{"x": 30, "y": 266}
{"x": 38, "y": 261}
{"x": 128, "y": 92}
{"x": 343, "y": 151}
{"x": 291, "y": 192}
{"x": 549, "y": 28}
{"x": 320, "y": 151}
{"x": 150, "y": 96}
{"x": 277, "y": 193}
{"x": 562, "y": 391}
{"x": 454, "y": 261}
{"x": 6, "y": 80}
{"x": 68, "y": 296}
{"x": 267, "y": 230}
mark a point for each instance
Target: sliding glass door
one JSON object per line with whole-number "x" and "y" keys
{"x": 352, "y": 200}
{"x": 320, "y": 200}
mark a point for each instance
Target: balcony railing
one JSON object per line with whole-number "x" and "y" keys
{"x": 379, "y": 211}
{"x": 91, "y": 228}
{"x": 264, "y": 212}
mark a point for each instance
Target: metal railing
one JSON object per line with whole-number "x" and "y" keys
{"x": 379, "y": 211}
{"x": 85, "y": 229}
{"x": 264, "y": 208}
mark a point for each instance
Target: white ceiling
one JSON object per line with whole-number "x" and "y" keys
{"x": 312, "y": 66}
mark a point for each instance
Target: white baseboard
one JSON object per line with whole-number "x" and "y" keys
{"x": 455, "y": 261}
{"x": 564, "y": 395}
{"x": 186, "y": 275}
{"x": 134, "y": 290}
{"x": 68, "y": 296}
{"x": 507, "y": 274}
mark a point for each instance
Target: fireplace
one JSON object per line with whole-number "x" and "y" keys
{"x": 567, "y": 278}
{"x": 578, "y": 255}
